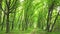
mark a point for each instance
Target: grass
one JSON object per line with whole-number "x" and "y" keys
{"x": 30, "y": 31}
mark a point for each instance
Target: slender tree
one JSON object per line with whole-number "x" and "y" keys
{"x": 50, "y": 15}
{"x": 27, "y": 10}
{"x": 54, "y": 21}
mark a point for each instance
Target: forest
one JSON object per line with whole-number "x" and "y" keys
{"x": 29, "y": 16}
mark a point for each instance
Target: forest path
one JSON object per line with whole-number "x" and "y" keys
{"x": 37, "y": 31}
{"x": 33, "y": 31}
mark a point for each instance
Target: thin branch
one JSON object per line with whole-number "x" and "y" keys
{"x": 13, "y": 5}
{"x": 3, "y": 10}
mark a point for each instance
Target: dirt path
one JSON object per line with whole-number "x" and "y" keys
{"x": 33, "y": 31}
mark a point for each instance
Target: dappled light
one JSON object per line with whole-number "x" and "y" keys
{"x": 29, "y": 16}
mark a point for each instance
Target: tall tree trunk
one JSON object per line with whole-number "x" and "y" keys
{"x": 28, "y": 8}
{"x": 39, "y": 23}
{"x": 7, "y": 22}
{"x": 7, "y": 16}
{"x": 0, "y": 16}
{"x": 54, "y": 22}
{"x": 19, "y": 21}
{"x": 13, "y": 20}
{"x": 1, "y": 13}
{"x": 3, "y": 22}
{"x": 23, "y": 25}
{"x": 50, "y": 16}
{"x": 26, "y": 21}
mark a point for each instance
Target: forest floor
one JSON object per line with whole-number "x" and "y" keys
{"x": 34, "y": 31}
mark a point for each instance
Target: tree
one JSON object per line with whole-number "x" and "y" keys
{"x": 27, "y": 12}
{"x": 50, "y": 15}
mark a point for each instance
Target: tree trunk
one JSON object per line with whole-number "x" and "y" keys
{"x": 7, "y": 23}
{"x": 0, "y": 11}
{"x": 3, "y": 22}
{"x": 39, "y": 23}
{"x": 54, "y": 22}
{"x": 50, "y": 16}
{"x": 26, "y": 22}
{"x": 13, "y": 21}
{"x": 7, "y": 16}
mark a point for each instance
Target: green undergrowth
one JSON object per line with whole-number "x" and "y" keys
{"x": 29, "y": 31}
